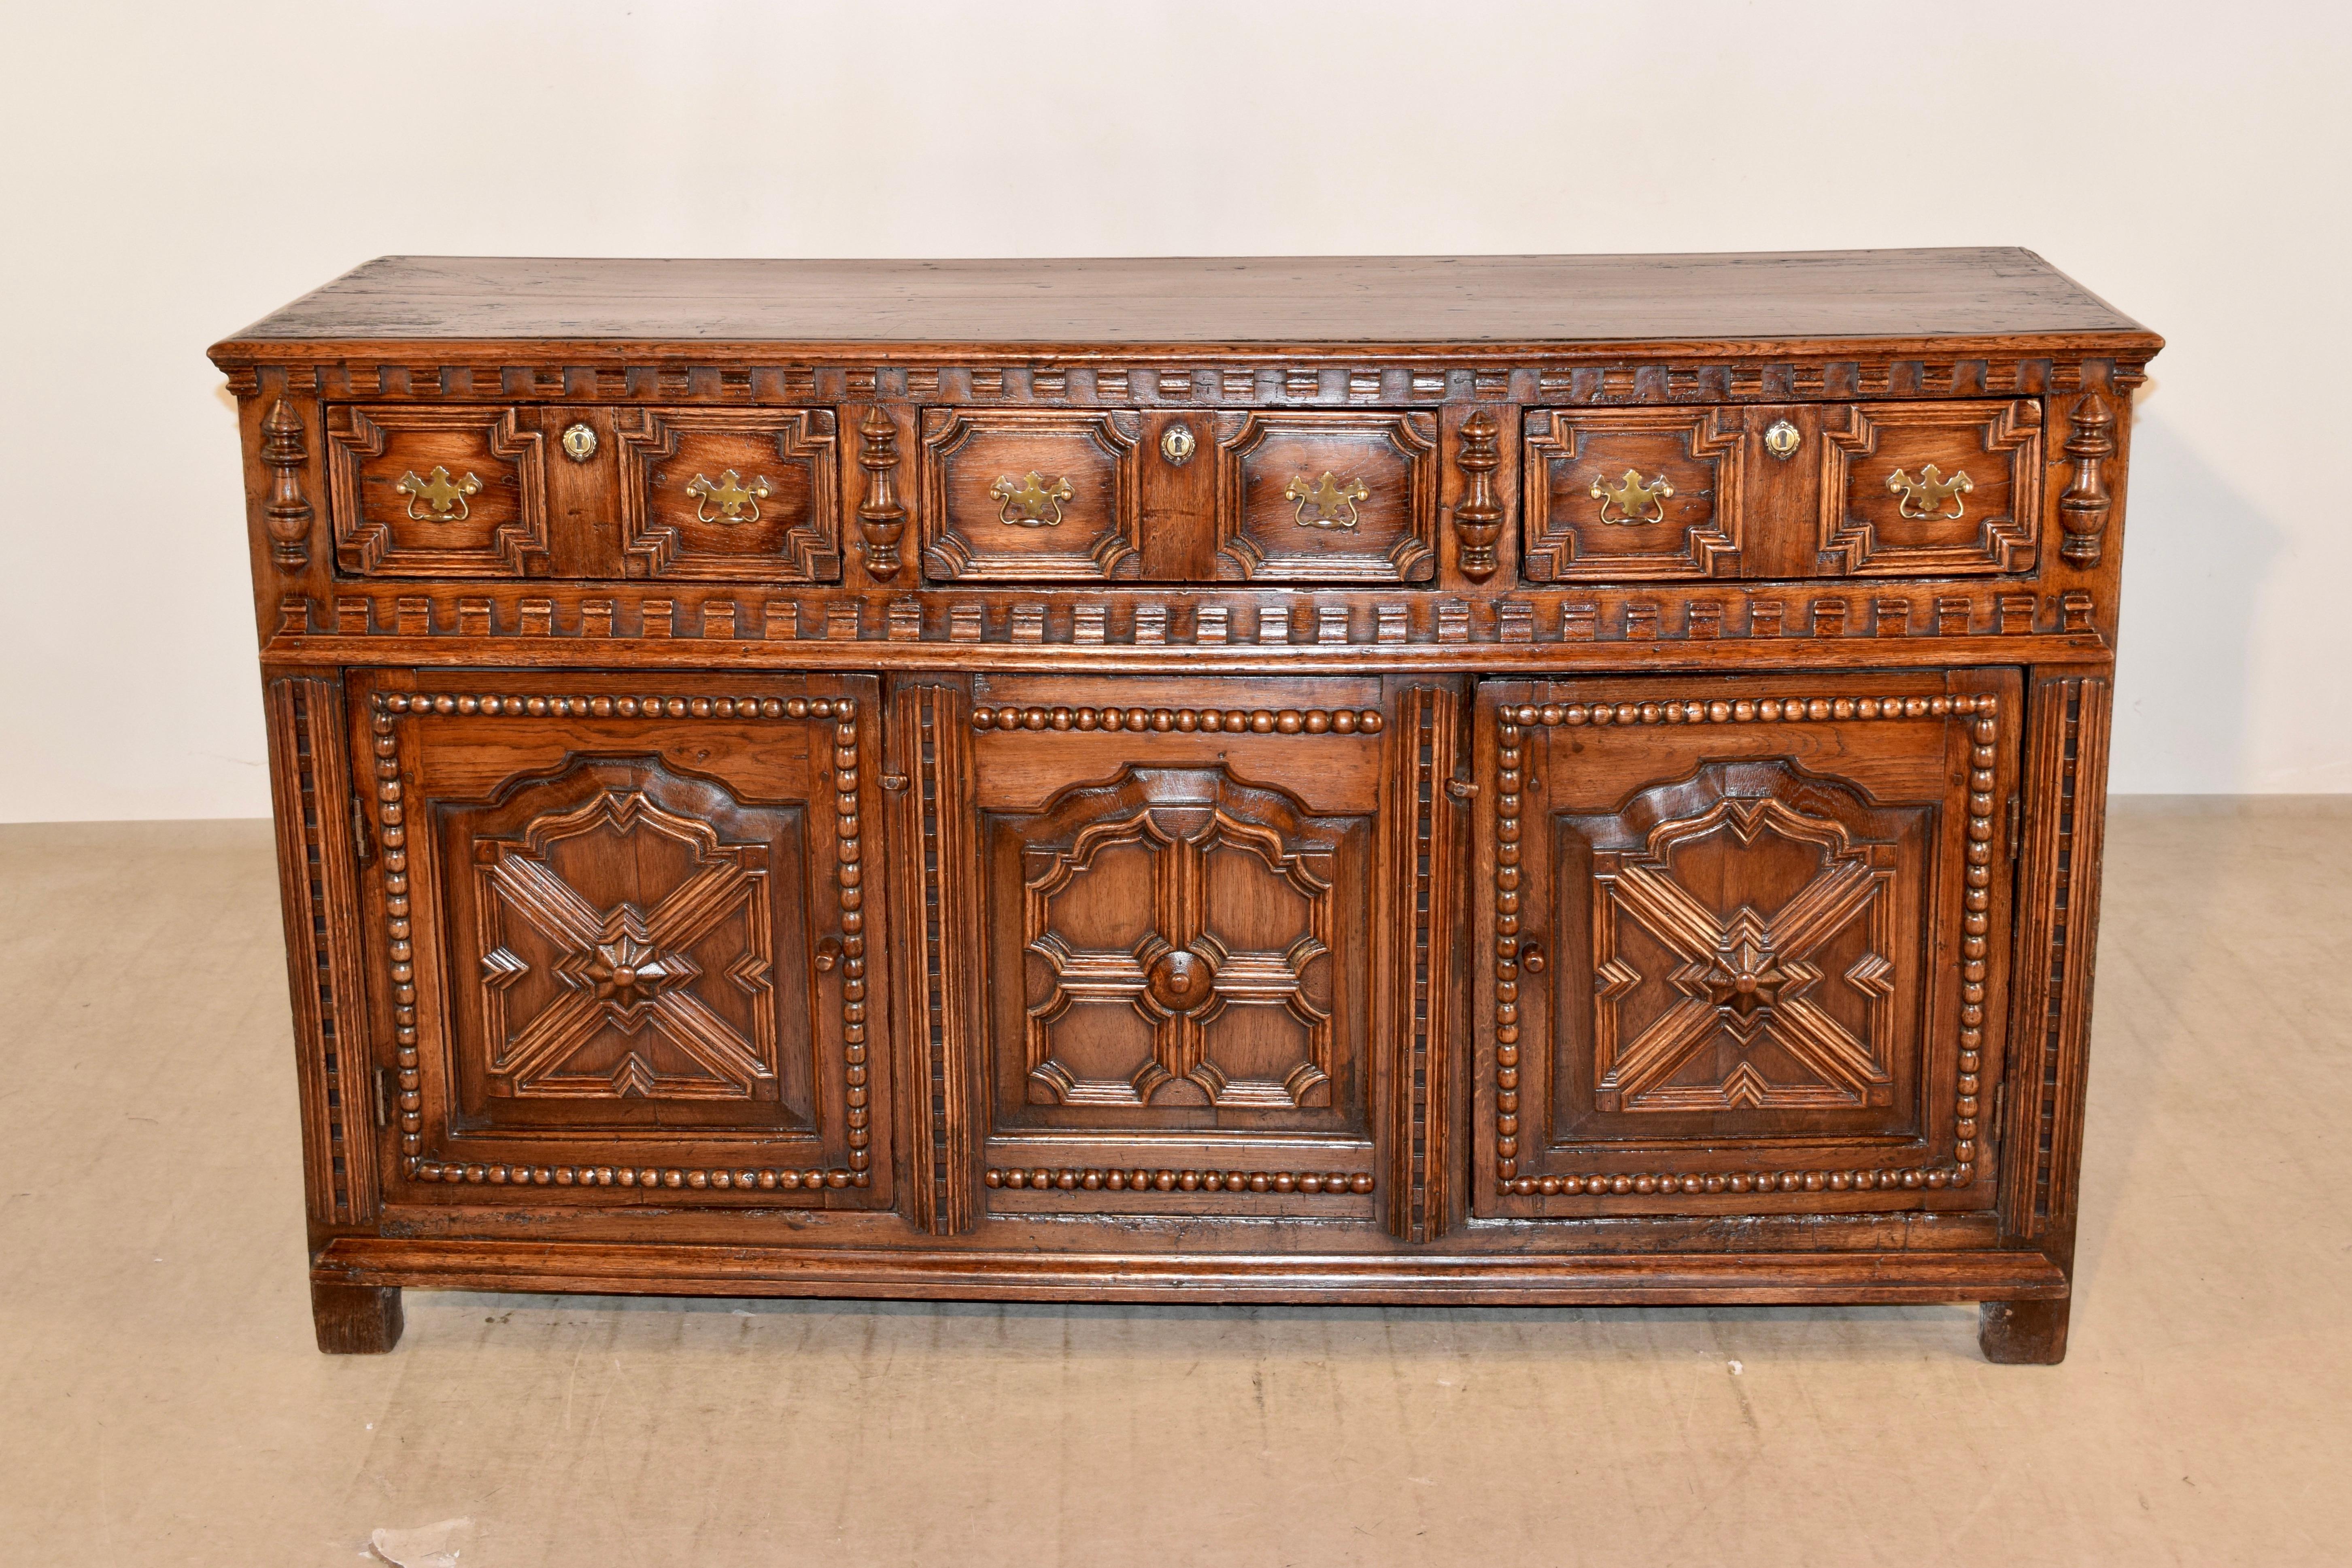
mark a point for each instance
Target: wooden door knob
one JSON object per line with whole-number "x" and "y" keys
{"x": 1532, "y": 958}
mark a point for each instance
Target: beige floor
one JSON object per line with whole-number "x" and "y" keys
{"x": 160, "y": 1401}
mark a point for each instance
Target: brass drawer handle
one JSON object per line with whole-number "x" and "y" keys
{"x": 444, "y": 496}
{"x": 1633, "y": 497}
{"x": 736, "y": 501}
{"x": 1031, "y": 501}
{"x": 1929, "y": 491}
{"x": 1333, "y": 498}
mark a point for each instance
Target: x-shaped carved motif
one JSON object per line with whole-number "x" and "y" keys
{"x": 1742, "y": 974}
{"x": 626, "y": 968}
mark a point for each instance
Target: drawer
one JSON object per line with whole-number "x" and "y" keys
{"x": 1635, "y": 493}
{"x": 1304, "y": 496}
{"x": 1796, "y": 490}
{"x": 585, "y": 492}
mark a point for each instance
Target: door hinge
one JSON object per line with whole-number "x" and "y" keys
{"x": 1999, "y": 1103}
{"x": 2016, "y": 830}
{"x": 387, "y": 1090}
{"x": 362, "y": 844}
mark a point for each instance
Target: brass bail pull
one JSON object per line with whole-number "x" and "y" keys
{"x": 1924, "y": 497}
{"x": 1031, "y": 501}
{"x": 728, "y": 499}
{"x": 1637, "y": 499}
{"x": 443, "y": 497}
{"x": 1328, "y": 502}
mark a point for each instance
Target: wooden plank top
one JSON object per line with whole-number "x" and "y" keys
{"x": 1408, "y": 304}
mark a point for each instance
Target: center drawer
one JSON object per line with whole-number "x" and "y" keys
{"x": 1125, "y": 495}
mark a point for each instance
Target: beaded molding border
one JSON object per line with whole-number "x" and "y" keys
{"x": 1513, "y": 721}
{"x": 1066, "y": 1179}
{"x": 1187, "y": 720}
{"x": 386, "y": 708}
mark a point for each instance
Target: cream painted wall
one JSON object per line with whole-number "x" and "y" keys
{"x": 173, "y": 171}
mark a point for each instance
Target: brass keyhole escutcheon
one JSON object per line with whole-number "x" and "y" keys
{"x": 1781, "y": 439}
{"x": 579, "y": 443}
{"x": 1178, "y": 445}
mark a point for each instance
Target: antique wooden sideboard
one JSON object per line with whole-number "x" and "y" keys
{"x": 1503, "y": 779}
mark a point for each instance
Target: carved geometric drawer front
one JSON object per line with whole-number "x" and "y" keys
{"x": 1029, "y": 494}
{"x": 1327, "y": 498}
{"x": 1931, "y": 487}
{"x": 1177, "y": 932}
{"x": 625, "y": 938}
{"x": 1634, "y": 493}
{"x": 437, "y": 492}
{"x": 1742, "y": 936}
{"x": 726, "y": 493}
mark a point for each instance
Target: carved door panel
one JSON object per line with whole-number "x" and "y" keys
{"x": 1193, "y": 932}
{"x": 1742, "y": 943}
{"x": 622, "y": 937}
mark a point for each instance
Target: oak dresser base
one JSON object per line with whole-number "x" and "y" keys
{"x": 1464, "y": 781}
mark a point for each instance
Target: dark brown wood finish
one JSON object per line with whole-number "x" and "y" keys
{"x": 1482, "y": 779}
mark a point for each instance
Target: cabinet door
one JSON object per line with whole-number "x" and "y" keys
{"x": 1742, "y": 941}
{"x": 623, "y": 937}
{"x": 1191, "y": 941}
